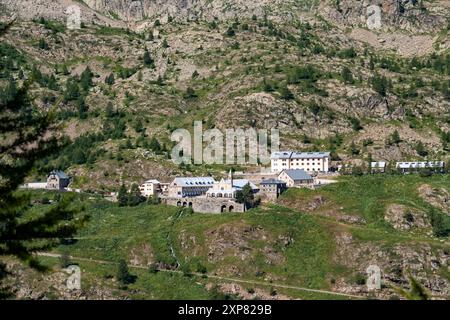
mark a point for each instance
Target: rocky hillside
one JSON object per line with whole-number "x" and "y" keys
{"x": 139, "y": 69}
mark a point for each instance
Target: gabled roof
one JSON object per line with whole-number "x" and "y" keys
{"x": 272, "y": 181}
{"x": 194, "y": 181}
{"x": 297, "y": 174}
{"x": 240, "y": 183}
{"x": 60, "y": 174}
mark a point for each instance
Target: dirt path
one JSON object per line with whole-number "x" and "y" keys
{"x": 262, "y": 283}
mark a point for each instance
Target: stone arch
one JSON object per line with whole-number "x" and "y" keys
{"x": 190, "y": 204}
{"x": 219, "y": 195}
{"x": 179, "y": 204}
{"x": 223, "y": 208}
{"x": 184, "y": 204}
{"x": 231, "y": 209}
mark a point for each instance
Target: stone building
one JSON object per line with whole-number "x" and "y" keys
{"x": 57, "y": 180}
{"x": 190, "y": 186}
{"x": 312, "y": 162}
{"x": 296, "y": 178}
{"x": 271, "y": 189}
{"x": 228, "y": 188}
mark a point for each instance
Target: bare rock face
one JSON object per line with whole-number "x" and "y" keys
{"x": 437, "y": 197}
{"x": 402, "y": 218}
{"x": 422, "y": 261}
{"x": 406, "y": 14}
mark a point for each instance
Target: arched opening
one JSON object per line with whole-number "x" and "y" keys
{"x": 231, "y": 209}
{"x": 190, "y": 204}
{"x": 223, "y": 208}
{"x": 184, "y": 204}
{"x": 179, "y": 204}
{"x": 219, "y": 195}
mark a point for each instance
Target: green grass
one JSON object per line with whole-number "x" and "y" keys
{"x": 369, "y": 196}
{"x": 250, "y": 241}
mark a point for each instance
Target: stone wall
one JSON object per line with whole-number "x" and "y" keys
{"x": 206, "y": 205}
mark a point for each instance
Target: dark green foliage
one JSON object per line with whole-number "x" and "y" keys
{"x": 420, "y": 149}
{"x": 394, "y": 138}
{"x": 123, "y": 274}
{"x": 285, "y": 93}
{"x": 380, "y": 84}
{"x": 440, "y": 224}
{"x": 21, "y": 232}
{"x": 148, "y": 60}
{"x": 122, "y": 197}
{"x": 110, "y": 80}
{"x": 347, "y": 75}
{"x": 356, "y": 124}
{"x": 135, "y": 198}
{"x": 230, "y": 32}
{"x": 86, "y": 79}
{"x": 245, "y": 196}
{"x": 190, "y": 93}
{"x": 43, "y": 45}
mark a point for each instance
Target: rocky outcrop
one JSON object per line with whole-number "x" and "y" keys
{"x": 409, "y": 15}
{"x": 403, "y": 218}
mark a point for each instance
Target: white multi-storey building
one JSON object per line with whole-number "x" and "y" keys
{"x": 308, "y": 161}
{"x": 150, "y": 188}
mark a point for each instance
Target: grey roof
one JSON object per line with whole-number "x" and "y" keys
{"x": 421, "y": 164}
{"x": 194, "y": 181}
{"x": 60, "y": 174}
{"x": 299, "y": 155}
{"x": 281, "y": 155}
{"x": 297, "y": 174}
{"x": 272, "y": 181}
{"x": 240, "y": 183}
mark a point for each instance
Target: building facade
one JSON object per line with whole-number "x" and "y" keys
{"x": 190, "y": 186}
{"x": 272, "y": 188}
{"x": 296, "y": 178}
{"x": 57, "y": 180}
{"x": 150, "y": 188}
{"x": 405, "y": 167}
{"x": 378, "y": 167}
{"x": 228, "y": 188}
{"x": 308, "y": 161}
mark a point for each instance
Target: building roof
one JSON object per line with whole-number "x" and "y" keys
{"x": 420, "y": 164}
{"x": 194, "y": 181}
{"x": 309, "y": 155}
{"x": 297, "y": 174}
{"x": 299, "y": 155}
{"x": 281, "y": 155}
{"x": 240, "y": 183}
{"x": 154, "y": 181}
{"x": 272, "y": 181}
{"x": 60, "y": 174}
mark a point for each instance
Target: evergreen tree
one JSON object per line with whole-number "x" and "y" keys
{"x": 123, "y": 273}
{"x": 347, "y": 75}
{"x": 110, "y": 80}
{"x": 148, "y": 61}
{"x": 135, "y": 197}
{"x": 245, "y": 196}
{"x": 23, "y": 233}
{"x": 86, "y": 79}
{"x": 122, "y": 197}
